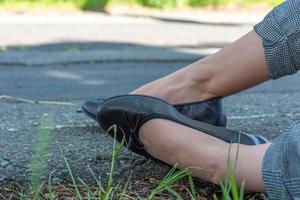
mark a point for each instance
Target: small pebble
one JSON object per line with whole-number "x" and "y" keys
{"x": 4, "y": 163}
{"x": 56, "y": 181}
{"x": 12, "y": 129}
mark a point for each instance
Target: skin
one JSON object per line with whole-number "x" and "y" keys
{"x": 237, "y": 67}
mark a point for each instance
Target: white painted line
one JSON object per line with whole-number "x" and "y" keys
{"x": 264, "y": 116}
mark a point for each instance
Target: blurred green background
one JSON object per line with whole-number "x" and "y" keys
{"x": 160, "y": 4}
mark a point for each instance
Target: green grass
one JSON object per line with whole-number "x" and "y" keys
{"x": 40, "y": 155}
{"x": 25, "y": 48}
{"x": 229, "y": 188}
{"x": 112, "y": 189}
{"x": 3, "y": 49}
{"x": 74, "y": 4}
{"x": 162, "y": 4}
{"x": 101, "y": 4}
{"x": 73, "y": 48}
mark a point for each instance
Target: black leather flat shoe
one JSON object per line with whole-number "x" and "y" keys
{"x": 209, "y": 111}
{"x": 130, "y": 112}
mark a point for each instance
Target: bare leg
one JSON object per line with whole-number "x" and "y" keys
{"x": 237, "y": 67}
{"x": 207, "y": 155}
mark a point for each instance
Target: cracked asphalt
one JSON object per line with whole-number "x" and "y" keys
{"x": 71, "y": 62}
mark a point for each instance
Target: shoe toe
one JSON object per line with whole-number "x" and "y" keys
{"x": 116, "y": 117}
{"x": 91, "y": 107}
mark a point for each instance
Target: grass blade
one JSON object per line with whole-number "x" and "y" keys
{"x": 52, "y": 196}
{"x": 192, "y": 186}
{"x": 99, "y": 184}
{"x": 38, "y": 160}
{"x": 242, "y": 190}
{"x": 174, "y": 193}
{"x": 71, "y": 174}
{"x": 37, "y": 193}
{"x": 225, "y": 191}
{"x": 116, "y": 153}
{"x": 169, "y": 179}
{"x": 89, "y": 192}
{"x": 122, "y": 196}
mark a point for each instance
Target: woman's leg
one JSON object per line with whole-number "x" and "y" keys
{"x": 207, "y": 155}
{"x": 236, "y": 67}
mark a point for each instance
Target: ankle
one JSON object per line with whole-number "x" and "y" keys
{"x": 189, "y": 86}
{"x": 218, "y": 163}
{"x": 227, "y": 161}
{"x": 202, "y": 77}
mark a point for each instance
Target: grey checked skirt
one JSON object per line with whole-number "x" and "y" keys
{"x": 280, "y": 32}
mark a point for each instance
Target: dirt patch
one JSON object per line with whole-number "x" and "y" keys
{"x": 135, "y": 188}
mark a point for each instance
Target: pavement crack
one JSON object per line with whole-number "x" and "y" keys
{"x": 29, "y": 101}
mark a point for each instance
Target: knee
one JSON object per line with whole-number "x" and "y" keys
{"x": 292, "y": 151}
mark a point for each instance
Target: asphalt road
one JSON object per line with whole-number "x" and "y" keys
{"x": 63, "y": 74}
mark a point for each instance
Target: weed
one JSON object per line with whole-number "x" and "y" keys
{"x": 111, "y": 190}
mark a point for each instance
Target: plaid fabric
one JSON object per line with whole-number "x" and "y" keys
{"x": 280, "y": 32}
{"x": 281, "y": 171}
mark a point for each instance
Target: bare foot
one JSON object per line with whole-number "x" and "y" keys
{"x": 178, "y": 87}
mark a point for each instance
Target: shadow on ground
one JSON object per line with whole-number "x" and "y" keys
{"x": 77, "y": 71}
{"x": 187, "y": 21}
{"x": 73, "y": 46}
